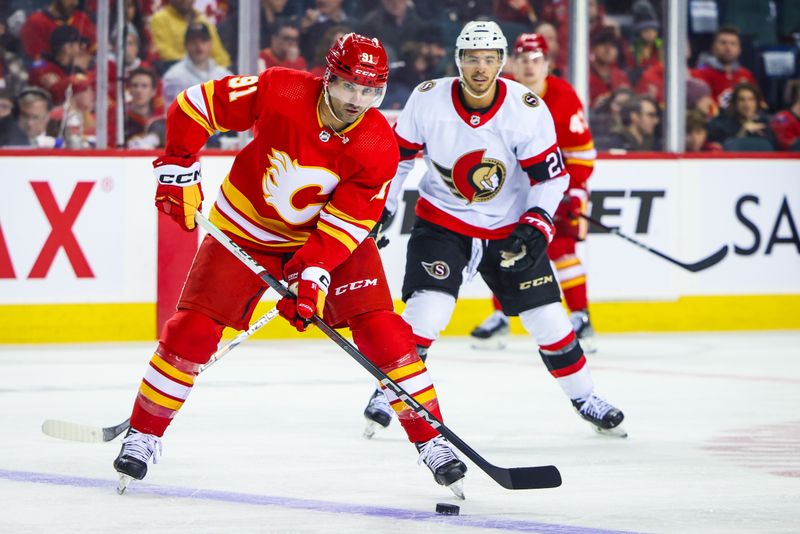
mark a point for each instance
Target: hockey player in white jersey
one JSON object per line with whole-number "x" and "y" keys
{"x": 494, "y": 177}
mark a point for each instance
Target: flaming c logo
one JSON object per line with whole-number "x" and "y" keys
{"x": 474, "y": 177}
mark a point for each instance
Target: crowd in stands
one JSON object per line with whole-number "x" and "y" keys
{"x": 742, "y": 91}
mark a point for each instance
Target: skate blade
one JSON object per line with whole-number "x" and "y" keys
{"x": 616, "y": 432}
{"x": 122, "y": 485}
{"x": 457, "y": 488}
{"x": 493, "y": 343}
{"x": 370, "y": 428}
{"x": 589, "y": 344}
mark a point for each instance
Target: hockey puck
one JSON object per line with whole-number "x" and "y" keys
{"x": 447, "y": 509}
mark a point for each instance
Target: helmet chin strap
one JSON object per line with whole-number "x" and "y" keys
{"x": 327, "y": 98}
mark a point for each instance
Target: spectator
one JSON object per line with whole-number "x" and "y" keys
{"x": 786, "y": 123}
{"x": 647, "y": 49}
{"x": 722, "y": 71}
{"x": 35, "y": 34}
{"x": 132, "y": 58}
{"x": 698, "y": 93}
{"x": 607, "y": 117}
{"x": 743, "y": 120}
{"x": 197, "y": 67}
{"x": 640, "y": 118}
{"x": 33, "y": 104}
{"x": 144, "y": 106}
{"x": 168, "y": 27}
{"x": 69, "y": 59}
{"x": 74, "y": 120}
{"x": 271, "y": 12}
{"x": 698, "y": 96}
{"x": 284, "y": 50}
{"x": 317, "y": 21}
{"x": 13, "y": 75}
{"x": 519, "y": 11}
{"x": 134, "y": 23}
{"x": 10, "y": 132}
{"x": 331, "y": 36}
{"x": 556, "y": 54}
{"x": 604, "y": 75}
{"x": 392, "y": 22}
{"x": 697, "y": 133}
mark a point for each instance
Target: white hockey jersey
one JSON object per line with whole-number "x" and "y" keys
{"x": 485, "y": 168}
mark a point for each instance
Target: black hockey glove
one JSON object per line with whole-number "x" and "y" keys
{"x": 528, "y": 241}
{"x": 379, "y": 230}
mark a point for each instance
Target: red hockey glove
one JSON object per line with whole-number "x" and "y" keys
{"x": 568, "y": 220}
{"x": 527, "y": 242}
{"x": 179, "y": 194}
{"x": 310, "y": 285}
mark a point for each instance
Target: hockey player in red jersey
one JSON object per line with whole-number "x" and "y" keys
{"x": 494, "y": 177}
{"x": 531, "y": 68}
{"x": 300, "y": 198}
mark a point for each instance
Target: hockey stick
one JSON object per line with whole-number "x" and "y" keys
{"x": 701, "y": 265}
{"x": 545, "y": 476}
{"x": 77, "y": 432}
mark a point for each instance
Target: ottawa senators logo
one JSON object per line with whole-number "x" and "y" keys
{"x": 473, "y": 177}
{"x": 530, "y": 100}
{"x": 437, "y": 269}
{"x": 426, "y": 86}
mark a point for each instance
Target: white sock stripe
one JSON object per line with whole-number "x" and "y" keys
{"x": 571, "y": 272}
{"x": 413, "y": 385}
{"x": 166, "y": 385}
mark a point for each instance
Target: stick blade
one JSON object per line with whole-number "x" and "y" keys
{"x": 73, "y": 431}
{"x": 710, "y": 261}
{"x": 521, "y": 478}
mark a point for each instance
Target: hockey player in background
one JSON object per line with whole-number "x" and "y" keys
{"x": 301, "y": 198}
{"x": 494, "y": 177}
{"x": 530, "y": 67}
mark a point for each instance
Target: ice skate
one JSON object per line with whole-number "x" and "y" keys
{"x": 605, "y": 418}
{"x": 378, "y": 413}
{"x": 491, "y": 334}
{"x": 584, "y": 331}
{"x": 447, "y": 469}
{"x": 137, "y": 449}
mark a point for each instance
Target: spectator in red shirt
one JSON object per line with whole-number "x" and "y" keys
{"x": 284, "y": 49}
{"x": 722, "y": 71}
{"x": 35, "y": 33}
{"x": 786, "y": 123}
{"x": 56, "y": 72}
{"x": 605, "y": 75}
{"x": 144, "y": 106}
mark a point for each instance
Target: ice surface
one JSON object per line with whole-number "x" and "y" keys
{"x": 270, "y": 441}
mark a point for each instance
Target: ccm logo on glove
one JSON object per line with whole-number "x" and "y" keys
{"x": 182, "y": 180}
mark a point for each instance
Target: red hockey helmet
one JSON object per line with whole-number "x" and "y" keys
{"x": 358, "y": 59}
{"x": 533, "y": 43}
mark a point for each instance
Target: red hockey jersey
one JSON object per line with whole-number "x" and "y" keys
{"x": 297, "y": 182}
{"x": 572, "y": 130}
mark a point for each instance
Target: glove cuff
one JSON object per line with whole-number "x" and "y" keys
{"x": 175, "y": 171}
{"x": 541, "y": 220}
{"x": 318, "y": 275}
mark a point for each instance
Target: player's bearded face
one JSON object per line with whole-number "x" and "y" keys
{"x": 529, "y": 69}
{"x": 350, "y": 100}
{"x": 479, "y": 69}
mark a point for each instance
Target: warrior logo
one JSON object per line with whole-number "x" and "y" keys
{"x": 426, "y": 86}
{"x": 437, "y": 269}
{"x": 473, "y": 177}
{"x": 530, "y": 100}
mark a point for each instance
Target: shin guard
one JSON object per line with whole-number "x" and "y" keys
{"x": 387, "y": 341}
{"x": 188, "y": 340}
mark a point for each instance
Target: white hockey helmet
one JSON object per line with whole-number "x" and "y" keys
{"x": 481, "y": 35}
